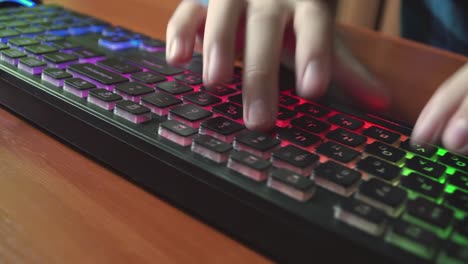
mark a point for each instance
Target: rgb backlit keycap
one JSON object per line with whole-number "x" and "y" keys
{"x": 211, "y": 148}
{"x": 177, "y": 132}
{"x": 132, "y": 111}
{"x": 291, "y": 184}
{"x": 78, "y": 87}
{"x": 295, "y": 159}
{"x": 103, "y": 98}
{"x": 249, "y": 165}
{"x": 337, "y": 178}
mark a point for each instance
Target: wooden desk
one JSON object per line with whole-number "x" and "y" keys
{"x": 57, "y": 206}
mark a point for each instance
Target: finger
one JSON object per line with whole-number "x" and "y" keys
{"x": 219, "y": 40}
{"x": 357, "y": 80}
{"x": 265, "y": 25}
{"x": 313, "y": 24}
{"x": 182, "y": 29}
{"x": 440, "y": 108}
{"x": 455, "y": 137}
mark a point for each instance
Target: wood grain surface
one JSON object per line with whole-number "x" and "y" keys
{"x": 57, "y": 206}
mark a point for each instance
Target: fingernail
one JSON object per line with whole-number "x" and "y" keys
{"x": 260, "y": 114}
{"x": 172, "y": 48}
{"x": 421, "y": 131}
{"x": 457, "y": 135}
{"x": 212, "y": 65}
{"x": 312, "y": 80}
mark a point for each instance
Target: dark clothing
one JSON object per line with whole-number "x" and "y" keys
{"x": 440, "y": 23}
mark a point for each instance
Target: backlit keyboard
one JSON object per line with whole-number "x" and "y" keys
{"x": 324, "y": 185}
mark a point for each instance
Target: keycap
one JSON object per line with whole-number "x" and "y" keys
{"x": 6, "y": 34}
{"x": 96, "y": 73}
{"x": 151, "y": 45}
{"x": 133, "y": 91}
{"x": 337, "y": 152}
{"x": 424, "y": 150}
{"x": 374, "y": 167}
{"x": 4, "y": 18}
{"x": 115, "y": 31}
{"x": 201, "y": 98}
{"x": 211, "y": 148}
{"x": 57, "y": 29}
{"x": 458, "y": 199}
{"x": 455, "y": 161}
{"x": 221, "y": 128}
{"x": 79, "y": 28}
{"x": 310, "y": 124}
{"x": 423, "y": 185}
{"x": 12, "y": 56}
{"x": 160, "y": 102}
{"x": 413, "y": 239}
{"x": 257, "y": 143}
{"x": 119, "y": 66}
{"x": 298, "y": 137}
{"x": 236, "y": 99}
{"x": 249, "y": 165}
{"x": 285, "y": 114}
{"x": 31, "y": 65}
{"x": 177, "y": 132}
{"x": 287, "y": 100}
{"x": 312, "y": 110}
{"x": 87, "y": 55}
{"x": 29, "y": 31}
{"x": 218, "y": 90}
{"x": 361, "y": 216}
{"x": 154, "y": 65}
{"x": 460, "y": 232}
{"x": 15, "y": 23}
{"x": 385, "y": 152}
{"x": 4, "y": 46}
{"x": 116, "y": 42}
{"x": 346, "y": 137}
{"x": 174, "y": 87}
{"x": 78, "y": 87}
{"x": 48, "y": 38}
{"x": 460, "y": 180}
{"x": 148, "y": 77}
{"x": 55, "y": 76}
{"x": 189, "y": 79}
{"x": 346, "y": 121}
{"x": 430, "y": 213}
{"x": 132, "y": 111}
{"x": 103, "y": 98}
{"x": 382, "y": 195}
{"x": 453, "y": 253}
{"x": 22, "y": 42}
{"x": 229, "y": 110}
{"x": 295, "y": 159}
{"x": 195, "y": 66}
{"x": 65, "y": 45}
{"x": 189, "y": 114}
{"x": 337, "y": 178}
{"x": 291, "y": 184}
{"x": 426, "y": 167}
{"x": 40, "y": 49}
{"x": 59, "y": 59}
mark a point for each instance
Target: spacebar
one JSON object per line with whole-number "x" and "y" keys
{"x": 97, "y": 73}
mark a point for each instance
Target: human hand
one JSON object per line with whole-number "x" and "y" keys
{"x": 445, "y": 116}
{"x": 270, "y": 28}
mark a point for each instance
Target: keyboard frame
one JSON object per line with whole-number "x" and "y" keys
{"x": 267, "y": 228}
{"x": 266, "y": 221}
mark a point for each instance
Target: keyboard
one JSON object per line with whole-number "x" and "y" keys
{"x": 328, "y": 183}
